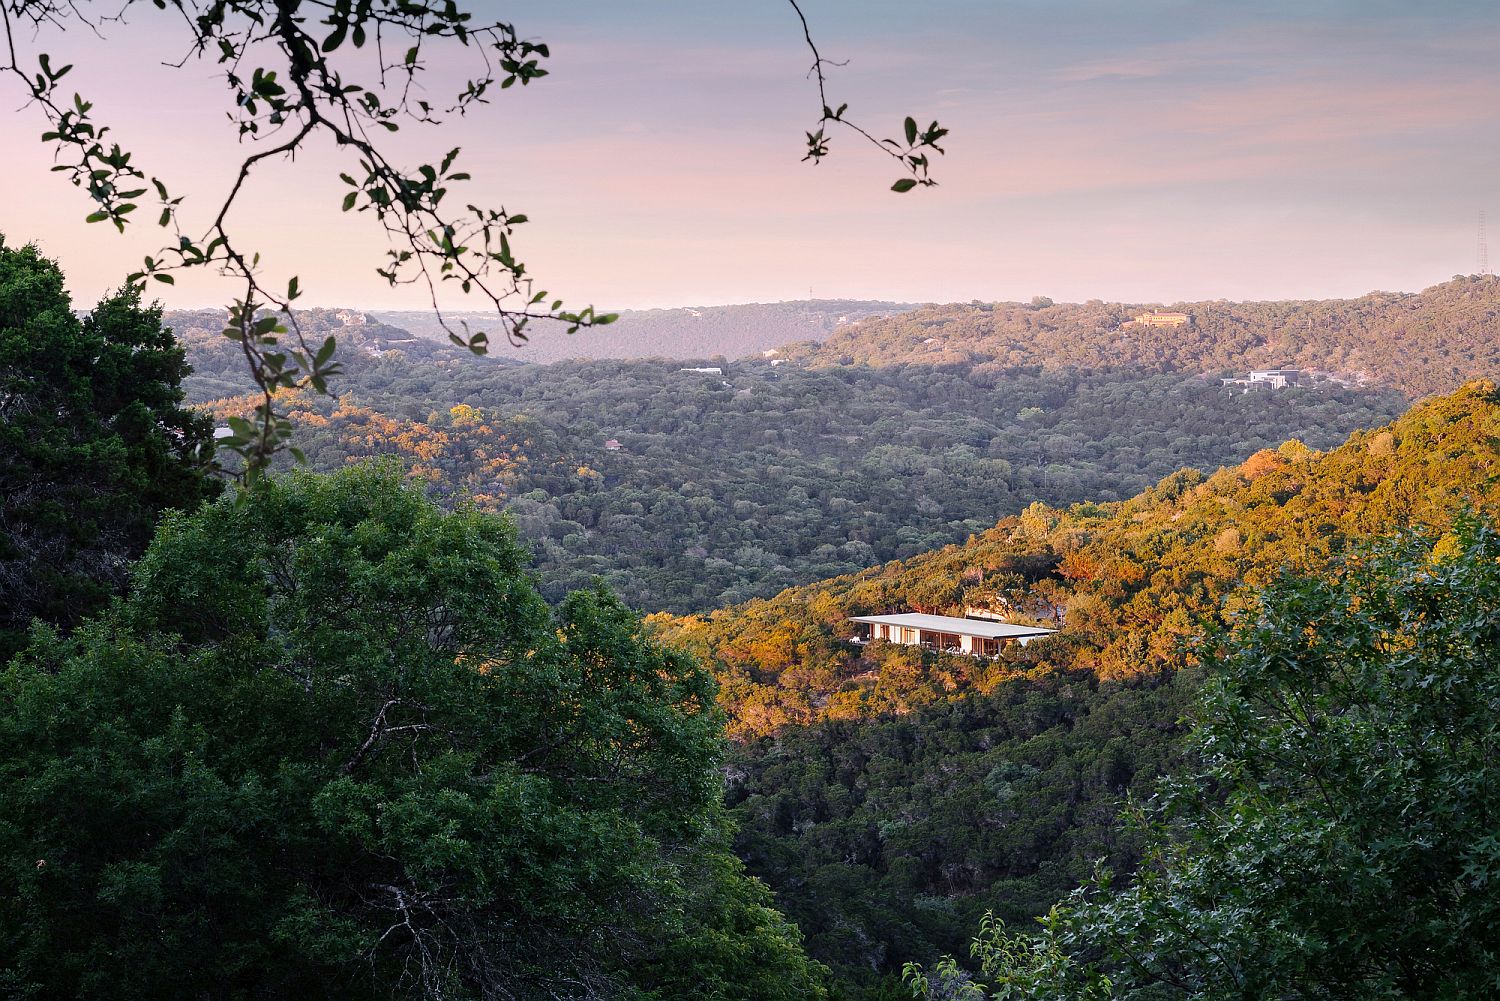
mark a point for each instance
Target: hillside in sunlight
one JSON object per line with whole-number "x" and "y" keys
{"x": 1418, "y": 343}
{"x": 1128, "y": 580}
{"x": 891, "y": 796}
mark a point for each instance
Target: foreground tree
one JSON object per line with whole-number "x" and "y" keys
{"x": 334, "y": 745}
{"x": 1340, "y": 839}
{"x": 94, "y": 443}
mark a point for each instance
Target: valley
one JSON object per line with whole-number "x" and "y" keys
{"x": 891, "y": 795}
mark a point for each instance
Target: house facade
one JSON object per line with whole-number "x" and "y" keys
{"x": 950, "y": 634}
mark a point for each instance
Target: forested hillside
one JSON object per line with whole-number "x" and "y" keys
{"x": 219, "y": 368}
{"x": 897, "y": 436}
{"x": 1418, "y": 343}
{"x": 689, "y": 332}
{"x": 890, "y": 794}
{"x": 720, "y": 489}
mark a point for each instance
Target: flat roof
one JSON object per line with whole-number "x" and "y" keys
{"x": 953, "y": 624}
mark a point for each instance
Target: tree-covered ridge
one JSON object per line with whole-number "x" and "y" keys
{"x": 1418, "y": 343}
{"x": 731, "y": 332}
{"x": 725, "y": 488}
{"x": 1131, "y": 580}
{"x": 219, "y": 364}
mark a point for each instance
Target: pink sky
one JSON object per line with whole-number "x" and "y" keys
{"x": 1167, "y": 151}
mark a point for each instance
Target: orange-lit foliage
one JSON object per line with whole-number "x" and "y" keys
{"x": 1135, "y": 578}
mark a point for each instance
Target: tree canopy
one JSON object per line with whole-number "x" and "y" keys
{"x": 95, "y": 443}
{"x": 334, "y": 744}
{"x": 1337, "y": 838}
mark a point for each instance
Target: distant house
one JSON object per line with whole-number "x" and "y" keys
{"x": 706, "y": 371}
{"x": 1262, "y": 379}
{"x": 1154, "y": 318}
{"x": 613, "y": 446}
{"x": 1278, "y": 378}
{"x": 975, "y": 637}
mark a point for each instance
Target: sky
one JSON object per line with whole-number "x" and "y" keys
{"x": 1135, "y": 150}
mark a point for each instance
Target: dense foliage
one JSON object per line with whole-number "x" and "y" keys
{"x": 889, "y": 795}
{"x": 335, "y": 745}
{"x": 728, "y": 488}
{"x": 873, "y": 740}
{"x": 886, "y": 839}
{"x": 1129, "y": 580}
{"x": 1423, "y": 343}
{"x": 1337, "y": 839}
{"x": 95, "y": 443}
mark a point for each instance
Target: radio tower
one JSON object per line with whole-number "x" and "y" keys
{"x": 1484, "y": 249}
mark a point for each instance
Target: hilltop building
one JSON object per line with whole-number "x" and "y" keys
{"x": 975, "y": 637}
{"x": 1154, "y": 318}
{"x": 613, "y": 445}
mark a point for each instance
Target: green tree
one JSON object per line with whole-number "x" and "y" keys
{"x": 334, "y": 744}
{"x": 94, "y": 443}
{"x": 1338, "y": 840}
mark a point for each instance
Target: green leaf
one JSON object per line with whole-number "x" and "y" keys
{"x": 911, "y": 130}
{"x": 325, "y": 352}
{"x": 905, "y": 184}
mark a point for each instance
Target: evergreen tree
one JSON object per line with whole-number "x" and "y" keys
{"x": 94, "y": 443}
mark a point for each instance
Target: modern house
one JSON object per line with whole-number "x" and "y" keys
{"x": 976, "y": 637}
{"x": 1261, "y": 379}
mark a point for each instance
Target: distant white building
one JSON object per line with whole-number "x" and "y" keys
{"x": 706, "y": 371}
{"x": 975, "y": 637}
{"x": 1278, "y": 378}
{"x": 1262, "y": 379}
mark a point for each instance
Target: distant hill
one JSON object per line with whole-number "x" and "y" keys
{"x": 1418, "y": 343}
{"x": 687, "y": 333}
{"x": 219, "y": 368}
{"x": 687, "y": 490}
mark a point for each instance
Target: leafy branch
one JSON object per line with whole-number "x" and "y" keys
{"x": 349, "y": 70}
{"x": 912, "y": 154}
{"x": 277, "y": 58}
